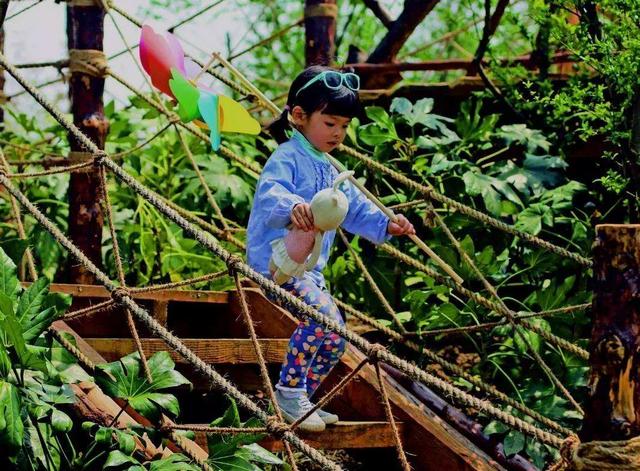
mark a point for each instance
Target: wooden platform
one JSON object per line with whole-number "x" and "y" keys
{"x": 210, "y": 323}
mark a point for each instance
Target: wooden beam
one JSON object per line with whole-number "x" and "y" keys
{"x": 611, "y": 412}
{"x": 95, "y": 291}
{"x": 451, "y": 64}
{"x": 226, "y": 351}
{"x": 343, "y": 435}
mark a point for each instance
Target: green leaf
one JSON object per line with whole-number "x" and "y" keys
{"x": 175, "y": 462}
{"x": 520, "y": 134}
{"x": 261, "y": 455}
{"x": 8, "y": 279}
{"x": 116, "y": 459}
{"x": 11, "y": 425}
{"x": 125, "y": 379}
{"x": 32, "y": 314}
{"x": 60, "y": 422}
{"x": 13, "y": 332}
{"x": 513, "y": 443}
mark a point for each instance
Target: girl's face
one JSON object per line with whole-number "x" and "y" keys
{"x": 324, "y": 131}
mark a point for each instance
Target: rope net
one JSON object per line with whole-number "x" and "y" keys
{"x": 548, "y": 431}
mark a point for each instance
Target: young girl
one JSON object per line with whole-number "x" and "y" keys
{"x": 320, "y": 105}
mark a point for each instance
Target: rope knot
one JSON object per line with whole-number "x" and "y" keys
{"x": 4, "y": 172}
{"x": 174, "y": 119}
{"x": 120, "y": 293}
{"x": 233, "y": 264}
{"x": 98, "y": 158}
{"x": 375, "y": 352}
{"x": 276, "y": 427}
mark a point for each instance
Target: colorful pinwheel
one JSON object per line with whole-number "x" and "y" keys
{"x": 163, "y": 59}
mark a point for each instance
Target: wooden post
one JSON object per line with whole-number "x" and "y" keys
{"x": 85, "y": 30}
{"x": 320, "y": 31}
{"x": 612, "y": 411}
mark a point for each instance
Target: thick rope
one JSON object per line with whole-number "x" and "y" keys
{"x": 264, "y": 372}
{"x": 120, "y": 271}
{"x": 87, "y": 61}
{"x": 490, "y": 325}
{"x": 430, "y": 192}
{"x": 455, "y": 369}
{"x": 15, "y": 210}
{"x": 402, "y": 456}
{"x": 104, "y": 306}
{"x": 71, "y": 348}
{"x": 372, "y": 283}
{"x": 478, "y": 298}
{"x": 509, "y": 313}
{"x": 618, "y": 455}
{"x": 178, "y": 284}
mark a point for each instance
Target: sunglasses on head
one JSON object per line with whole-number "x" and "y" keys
{"x": 334, "y": 80}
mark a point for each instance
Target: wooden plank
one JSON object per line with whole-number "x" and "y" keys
{"x": 97, "y": 291}
{"x": 428, "y": 440}
{"x": 161, "y": 311}
{"x": 343, "y": 435}
{"x": 228, "y": 351}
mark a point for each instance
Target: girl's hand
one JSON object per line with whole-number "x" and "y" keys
{"x": 302, "y": 217}
{"x": 402, "y": 226}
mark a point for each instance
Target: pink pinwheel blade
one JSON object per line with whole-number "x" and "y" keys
{"x": 158, "y": 56}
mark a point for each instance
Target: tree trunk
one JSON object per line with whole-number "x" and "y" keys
{"x": 3, "y": 13}
{"x": 613, "y": 406}
{"x": 320, "y": 31}
{"x": 85, "y": 30}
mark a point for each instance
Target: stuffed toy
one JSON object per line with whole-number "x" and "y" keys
{"x": 298, "y": 251}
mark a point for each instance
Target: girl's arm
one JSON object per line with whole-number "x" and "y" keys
{"x": 275, "y": 191}
{"x": 364, "y": 218}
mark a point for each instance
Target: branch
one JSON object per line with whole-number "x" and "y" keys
{"x": 491, "y": 23}
{"x": 381, "y": 12}
{"x": 414, "y": 12}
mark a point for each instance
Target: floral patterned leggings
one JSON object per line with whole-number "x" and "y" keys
{"x": 313, "y": 350}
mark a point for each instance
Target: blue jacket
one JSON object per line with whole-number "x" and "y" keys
{"x": 294, "y": 173}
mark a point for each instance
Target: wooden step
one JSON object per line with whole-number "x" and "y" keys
{"x": 225, "y": 351}
{"x": 100, "y": 292}
{"x": 343, "y": 435}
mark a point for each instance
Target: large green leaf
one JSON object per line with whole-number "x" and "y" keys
{"x": 125, "y": 379}
{"x": 8, "y": 279}
{"x": 117, "y": 459}
{"x": 33, "y": 314}
{"x": 11, "y": 425}
{"x": 14, "y": 337}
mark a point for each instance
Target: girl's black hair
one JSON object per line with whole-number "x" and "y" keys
{"x": 316, "y": 97}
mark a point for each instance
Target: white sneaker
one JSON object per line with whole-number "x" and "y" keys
{"x": 327, "y": 417}
{"x": 296, "y": 406}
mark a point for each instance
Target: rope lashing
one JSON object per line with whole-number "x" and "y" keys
{"x": 375, "y": 352}
{"x": 328, "y": 10}
{"x": 88, "y": 61}
{"x": 610, "y": 455}
{"x": 276, "y": 427}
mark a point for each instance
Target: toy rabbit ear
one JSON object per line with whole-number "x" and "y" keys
{"x": 158, "y": 56}
{"x": 342, "y": 177}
